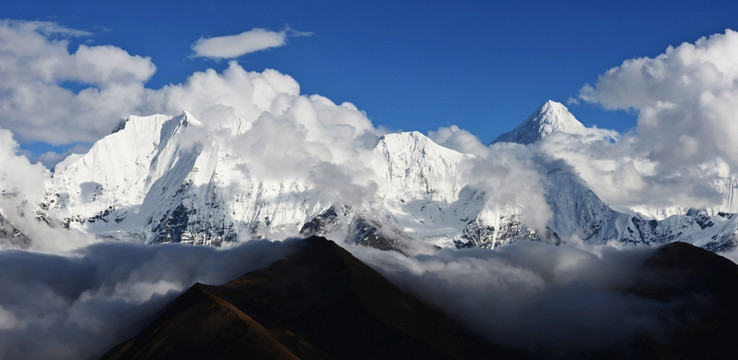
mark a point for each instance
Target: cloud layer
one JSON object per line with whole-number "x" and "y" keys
{"x": 80, "y": 305}
{"x": 560, "y": 300}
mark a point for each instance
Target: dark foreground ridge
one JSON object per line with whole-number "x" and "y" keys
{"x": 318, "y": 303}
{"x": 702, "y": 287}
{"x": 323, "y": 303}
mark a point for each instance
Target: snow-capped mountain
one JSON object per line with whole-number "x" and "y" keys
{"x": 549, "y": 118}
{"x": 578, "y": 211}
{"x": 164, "y": 179}
{"x": 142, "y": 182}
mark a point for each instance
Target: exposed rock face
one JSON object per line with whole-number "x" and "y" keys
{"x": 11, "y": 237}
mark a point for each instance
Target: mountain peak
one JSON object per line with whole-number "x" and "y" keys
{"x": 186, "y": 118}
{"x": 320, "y": 302}
{"x": 551, "y": 117}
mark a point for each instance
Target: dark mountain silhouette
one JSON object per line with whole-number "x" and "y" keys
{"x": 319, "y": 303}
{"x": 324, "y": 303}
{"x": 702, "y": 289}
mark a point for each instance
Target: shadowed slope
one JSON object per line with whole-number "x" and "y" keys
{"x": 198, "y": 325}
{"x": 703, "y": 289}
{"x": 319, "y": 303}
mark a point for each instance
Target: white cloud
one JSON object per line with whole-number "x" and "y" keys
{"x": 51, "y": 29}
{"x": 35, "y": 65}
{"x": 458, "y": 139}
{"x": 682, "y": 149}
{"x": 19, "y": 178}
{"x": 507, "y": 173}
{"x": 104, "y": 65}
{"x": 78, "y": 306}
{"x": 22, "y": 187}
{"x": 626, "y": 178}
{"x": 287, "y": 135}
{"x": 233, "y": 46}
{"x": 534, "y": 296}
{"x": 686, "y": 99}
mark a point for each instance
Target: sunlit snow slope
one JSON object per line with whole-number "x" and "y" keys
{"x": 165, "y": 179}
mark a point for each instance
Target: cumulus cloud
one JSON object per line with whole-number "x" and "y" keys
{"x": 286, "y": 135}
{"x": 233, "y": 46}
{"x": 509, "y": 174}
{"x": 80, "y": 305}
{"x": 19, "y": 178}
{"x": 512, "y": 178}
{"x": 458, "y": 139}
{"x": 22, "y": 187}
{"x": 685, "y": 98}
{"x": 623, "y": 175}
{"x": 682, "y": 150}
{"x": 35, "y": 63}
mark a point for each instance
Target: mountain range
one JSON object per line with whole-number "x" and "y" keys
{"x": 174, "y": 179}
{"x": 152, "y": 181}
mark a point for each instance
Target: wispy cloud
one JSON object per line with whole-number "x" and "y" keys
{"x": 233, "y": 46}
{"x": 46, "y": 28}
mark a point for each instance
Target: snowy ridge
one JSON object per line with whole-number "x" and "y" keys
{"x": 725, "y": 186}
{"x": 151, "y": 182}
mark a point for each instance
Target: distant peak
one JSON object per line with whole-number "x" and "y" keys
{"x": 551, "y": 117}
{"x": 186, "y": 119}
{"x": 551, "y": 105}
{"x": 405, "y": 136}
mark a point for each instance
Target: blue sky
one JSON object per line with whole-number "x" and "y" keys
{"x": 484, "y": 66}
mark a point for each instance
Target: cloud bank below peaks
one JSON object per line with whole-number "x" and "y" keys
{"x": 233, "y": 46}
{"x": 78, "y": 306}
{"x": 561, "y": 300}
